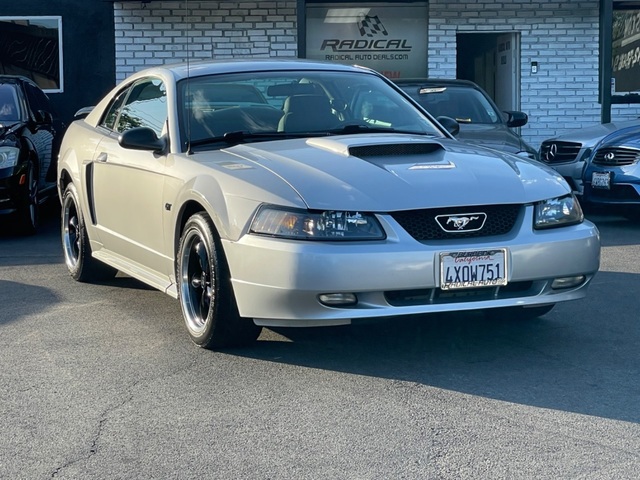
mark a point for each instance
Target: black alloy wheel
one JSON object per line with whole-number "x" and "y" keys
{"x": 204, "y": 289}
{"x": 75, "y": 242}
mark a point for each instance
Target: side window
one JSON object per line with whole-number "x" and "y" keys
{"x": 37, "y": 99}
{"x": 109, "y": 120}
{"x": 146, "y": 106}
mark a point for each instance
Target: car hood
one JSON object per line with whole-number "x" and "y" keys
{"x": 626, "y": 137}
{"x": 493, "y": 136}
{"x": 589, "y": 136}
{"x": 390, "y": 172}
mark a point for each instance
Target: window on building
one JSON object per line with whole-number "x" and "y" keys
{"x": 31, "y": 47}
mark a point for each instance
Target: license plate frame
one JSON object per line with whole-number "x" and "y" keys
{"x": 463, "y": 269}
{"x": 601, "y": 180}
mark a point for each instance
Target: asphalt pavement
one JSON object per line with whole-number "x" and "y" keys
{"x": 102, "y": 382}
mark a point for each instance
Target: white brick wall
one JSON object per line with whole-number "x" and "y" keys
{"x": 166, "y": 32}
{"x": 562, "y": 38}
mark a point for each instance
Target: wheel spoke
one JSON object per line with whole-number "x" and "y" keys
{"x": 201, "y": 251}
{"x": 74, "y": 237}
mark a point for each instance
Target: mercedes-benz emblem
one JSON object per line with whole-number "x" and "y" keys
{"x": 609, "y": 156}
{"x": 553, "y": 150}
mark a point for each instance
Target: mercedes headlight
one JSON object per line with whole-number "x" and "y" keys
{"x": 9, "y": 156}
{"x": 558, "y": 212}
{"x": 316, "y": 225}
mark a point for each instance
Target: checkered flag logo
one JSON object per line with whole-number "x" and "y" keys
{"x": 370, "y": 26}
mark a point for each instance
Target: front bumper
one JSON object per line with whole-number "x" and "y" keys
{"x": 278, "y": 282}
{"x": 10, "y": 191}
{"x": 624, "y": 188}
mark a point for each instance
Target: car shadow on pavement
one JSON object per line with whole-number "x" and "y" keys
{"x": 581, "y": 357}
{"x": 19, "y": 300}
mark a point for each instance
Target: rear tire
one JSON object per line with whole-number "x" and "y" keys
{"x": 518, "y": 313}
{"x": 204, "y": 290}
{"x": 75, "y": 242}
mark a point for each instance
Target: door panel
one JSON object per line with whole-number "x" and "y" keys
{"x": 128, "y": 205}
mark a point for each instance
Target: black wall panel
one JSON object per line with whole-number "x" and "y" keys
{"x": 88, "y": 48}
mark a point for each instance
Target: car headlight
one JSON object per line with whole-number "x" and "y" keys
{"x": 9, "y": 156}
{"x": 558, "y": 212}
{"x": 316, "y": 225}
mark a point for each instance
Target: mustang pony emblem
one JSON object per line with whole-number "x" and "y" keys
{"x": 461, "y": 222}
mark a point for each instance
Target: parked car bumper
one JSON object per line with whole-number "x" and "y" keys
{"x": 285, "y": 290}
{"x": 624, "y": 188}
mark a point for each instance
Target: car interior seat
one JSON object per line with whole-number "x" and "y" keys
{"x": 307, "y": 113}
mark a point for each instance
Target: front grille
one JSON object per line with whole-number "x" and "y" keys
{"x": 422, "y": 224}
{"x": 559, "y": 152}
{"x": 616, "y": 156}
{"x": 435, "y": 296}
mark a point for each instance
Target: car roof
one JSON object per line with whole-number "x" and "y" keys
{"x": 211, "y": 67}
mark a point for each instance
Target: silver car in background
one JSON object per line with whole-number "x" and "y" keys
{"x": 567, "y": 153}
{"x": 297, "y": 193}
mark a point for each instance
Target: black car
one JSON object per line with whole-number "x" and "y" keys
{"x": 481, "y": 121}
{"x": 30, "y": 135}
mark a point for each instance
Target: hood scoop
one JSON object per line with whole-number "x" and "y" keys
{"x": 394, "y": 149}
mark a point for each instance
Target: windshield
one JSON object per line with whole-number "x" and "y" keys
{"x": 8, "y": 103}
{"x": 465, "y": 104}
{"x": 272, "y": 105}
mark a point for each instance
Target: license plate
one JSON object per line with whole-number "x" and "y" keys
{"x": 601, "y": 180}
{"x": 469, "y": 269}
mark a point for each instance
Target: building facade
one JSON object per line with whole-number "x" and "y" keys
{"x": 538, "y": 56}
{"x": 65, "y": 45}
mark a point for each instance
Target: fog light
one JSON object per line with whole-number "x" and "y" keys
{"x": 338, "y": 299}
{"x": 568, "y": 282}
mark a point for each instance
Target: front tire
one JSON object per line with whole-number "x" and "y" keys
{"x": 204, "y": 289}
{"x": 75, "y": 242}
{"x": 27, "y": 212}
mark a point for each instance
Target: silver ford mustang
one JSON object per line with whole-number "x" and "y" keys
{"x": 297, "y": 193}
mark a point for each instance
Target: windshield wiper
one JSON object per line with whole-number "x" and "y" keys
{"x": 235, "y": 138}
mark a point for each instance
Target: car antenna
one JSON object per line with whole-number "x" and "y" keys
{"x": 188, "y": 89}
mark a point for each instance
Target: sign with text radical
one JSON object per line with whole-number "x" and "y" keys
{"x": 391, "y": 39}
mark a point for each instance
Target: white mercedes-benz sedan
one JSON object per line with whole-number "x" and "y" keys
{"x": 297, "y": 193}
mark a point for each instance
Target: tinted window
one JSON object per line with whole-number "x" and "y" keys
{"x": 110, "y": 118}
{"x": 37, "y": 99}
{"x": 8, "y": 103}
{"x": 466, "y": 105}
{"x": 146, "y": 106}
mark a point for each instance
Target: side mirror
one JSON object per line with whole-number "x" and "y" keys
{"x": 451, "y": 125}
{"x": 43, "y": 118}
{"x": 516, "y": 119}
{"x": 142, "y": 138}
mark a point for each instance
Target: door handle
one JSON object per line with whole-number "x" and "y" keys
{"x": 102, "y": 157}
